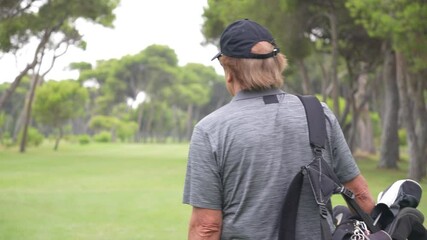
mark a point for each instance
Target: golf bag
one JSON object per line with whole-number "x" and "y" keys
{"x": 395, "y": 213}
{"x": 399, "y": 195}
{"x": 324, "y": 183}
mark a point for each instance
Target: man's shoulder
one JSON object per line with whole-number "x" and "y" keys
{"x": 215, "y": 117}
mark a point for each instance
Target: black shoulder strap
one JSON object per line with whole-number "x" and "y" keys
{"x": 317, "y": 135}
{"x": 315, "y": 120}
{"x": 288, "y": 214}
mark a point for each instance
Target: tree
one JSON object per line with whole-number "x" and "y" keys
{"x": 14, "y": 109}
{"x": 403, "y": 23}
{"x": 152, "y": 71}
{"x": 173, "y": 96}
{"x": 105, "y": 123}
{"x": 58, "y": 102}
{"x": 51, "y": 23}
{"x": 193, "y": 90}
{"x": 389, "y": 136}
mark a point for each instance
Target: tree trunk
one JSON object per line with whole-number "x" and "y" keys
{"x": 113, "y": 134}
{"x": 377, "y": 94}
{"x": 6, "y": 95}
{"x": 61, "y": 133}
{"x": 364, "y": 123}
{"x": 361, "y": 135}
{"x": 325, "y": 92}
{"x": 420, "y": 86}
{"x": 417, "y": 87}
{"x": 350, "y": 129}
{"x": 408, "y": 121}
{"x": 176, "y": 128}
{"x": 366, "y": 136}
{"x": 78, "y": 126}
{"x": 147, "y": 127}
{"x": 27, "y": 116}
{"x": 34, "y": 85}
{"x": 140, "y": 114}
{"x": 196, "y": 115}
{"x": 334, "y": 40}
{"x": 389, "y": 154}
{"x": 19, "y": 121}
{"x": 189, "y": 121}
{"x": 306, "y": 86}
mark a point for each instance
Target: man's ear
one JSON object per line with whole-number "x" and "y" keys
{"x": 228, "y": 77}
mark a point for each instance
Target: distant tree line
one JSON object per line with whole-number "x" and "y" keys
{"x": 145, "y": 97}
{"x": 106, "y": 101}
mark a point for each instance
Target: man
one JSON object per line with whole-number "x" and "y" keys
{"x": 243, "y": 156}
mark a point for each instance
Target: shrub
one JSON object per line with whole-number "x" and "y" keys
{"x": 70, "y": 138}
{"x": 376, "y": 123}
{"x": 84, "y": 139}
{"x": 402, "y": 137}
{"x": 102, "y": 137}
{"x": 126, "y": 130}
{"x": 34, "y": 137}
{"x": 6, "y": 140}
{"x": 101, "y": 122}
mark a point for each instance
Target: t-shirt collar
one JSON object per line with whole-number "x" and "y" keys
{"x": 246, "y": 94}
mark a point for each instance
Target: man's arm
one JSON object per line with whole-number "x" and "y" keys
{"x": 359, "y": 187}
{"x": 205, "y": 224}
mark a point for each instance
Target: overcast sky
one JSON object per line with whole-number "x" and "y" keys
{"x": 138, "y": 24}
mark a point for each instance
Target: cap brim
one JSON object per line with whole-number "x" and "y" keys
{"x": 216, "y": 56}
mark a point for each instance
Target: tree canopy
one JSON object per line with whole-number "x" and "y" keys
{"x": 59, "y": 102}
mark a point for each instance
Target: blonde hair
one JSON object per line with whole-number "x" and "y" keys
{"x": 256, "y": 74}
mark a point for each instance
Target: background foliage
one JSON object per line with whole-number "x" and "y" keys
{"x": 366, "y": 59}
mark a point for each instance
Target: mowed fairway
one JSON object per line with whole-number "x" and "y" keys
{"x": 97, "y": 191}
{"x": 110, "y": 191}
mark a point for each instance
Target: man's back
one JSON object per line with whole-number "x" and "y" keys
{"x": 244, "y": 157}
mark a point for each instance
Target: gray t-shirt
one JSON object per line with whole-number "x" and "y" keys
{"x": 243, "y": 157}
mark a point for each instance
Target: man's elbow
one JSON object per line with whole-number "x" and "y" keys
{"x": 205, "y": 230}
{"x": 363, "y": 197}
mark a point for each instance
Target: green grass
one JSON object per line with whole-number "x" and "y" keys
{"x": 109, "y": 191}
{"x": 98, "y": 191}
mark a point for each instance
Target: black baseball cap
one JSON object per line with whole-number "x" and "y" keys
{"x": 240, "y": 36}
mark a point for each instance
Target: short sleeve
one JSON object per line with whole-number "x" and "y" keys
{"x": 202, "y": 186}
{"x": 344, "y": 165}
